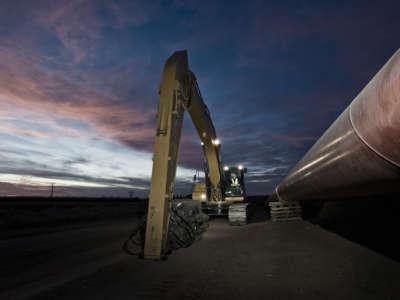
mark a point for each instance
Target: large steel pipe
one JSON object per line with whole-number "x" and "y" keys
{"x": 359, "y": 154}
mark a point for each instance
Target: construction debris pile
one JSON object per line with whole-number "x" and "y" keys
{"x": 186, "y": 225}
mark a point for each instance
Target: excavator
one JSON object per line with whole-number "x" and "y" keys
{"x": 222, "y": 193}
{"x": 233, "y": 193}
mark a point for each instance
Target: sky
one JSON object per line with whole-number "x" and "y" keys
{"x": 79, "y": 85}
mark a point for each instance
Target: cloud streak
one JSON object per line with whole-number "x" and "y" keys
{"x": 28, "y": 86}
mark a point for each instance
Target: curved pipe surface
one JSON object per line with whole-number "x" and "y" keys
{"x": 359, "y": 154}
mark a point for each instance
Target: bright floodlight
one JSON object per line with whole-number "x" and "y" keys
{"x": 216, "y": 142}
{"x": 202, "y": 143}
{"x": 240, "y": 167}
{"x": 203, "y": 196}
{"x": 226, "y": 168}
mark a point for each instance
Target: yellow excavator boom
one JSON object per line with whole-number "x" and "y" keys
{"x": 178, "y": 92}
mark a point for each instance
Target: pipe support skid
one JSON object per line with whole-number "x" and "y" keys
{"x": 359, "y": 154}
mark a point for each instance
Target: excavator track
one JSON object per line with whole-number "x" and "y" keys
{"x": 237, "y": 214}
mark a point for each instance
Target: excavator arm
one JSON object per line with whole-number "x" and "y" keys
{"x": 178, "y": 92}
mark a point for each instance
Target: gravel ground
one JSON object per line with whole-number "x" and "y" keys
{"x": 295, "y": 260}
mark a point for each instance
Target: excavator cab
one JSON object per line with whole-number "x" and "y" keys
{"x": 234, "y": 183}
{"x": 233, "y": 192}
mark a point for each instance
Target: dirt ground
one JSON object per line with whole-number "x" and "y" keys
{"x": 263, "y": 260}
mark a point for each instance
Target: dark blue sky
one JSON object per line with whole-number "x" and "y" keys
{"x": 79, "y": 80}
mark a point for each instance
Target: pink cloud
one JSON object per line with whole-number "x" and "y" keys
{"x": 24, "y": 83}
{"x": 75, "y": 24}
{"x": 28, "y": 132}
{"x": 78, "y": 26}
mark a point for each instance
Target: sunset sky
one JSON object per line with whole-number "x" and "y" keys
{"x": 79, "y": 82}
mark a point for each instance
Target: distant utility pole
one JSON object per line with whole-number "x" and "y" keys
{"x": 196, "y": 178}
{"x": 52, "y": 190}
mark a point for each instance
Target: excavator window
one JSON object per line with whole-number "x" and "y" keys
{"x": 234, "y": 183}
{"x": 235, "y": 179}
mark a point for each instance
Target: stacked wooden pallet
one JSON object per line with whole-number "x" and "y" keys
{"x": 285, "y": 211}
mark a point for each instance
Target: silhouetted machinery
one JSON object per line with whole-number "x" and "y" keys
{"x": 223, "y": 192}
{"x": 359, "y": 154}
{"x": 233, "y": 192}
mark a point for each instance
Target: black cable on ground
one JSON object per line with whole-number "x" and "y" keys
{"x": 187, "y": 223}
{"x": 134, "y": 245}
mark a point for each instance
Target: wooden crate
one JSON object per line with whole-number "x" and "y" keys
{"x": 285, "y": 211}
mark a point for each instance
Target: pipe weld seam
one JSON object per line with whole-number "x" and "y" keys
{"x": 368, "y": 145}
